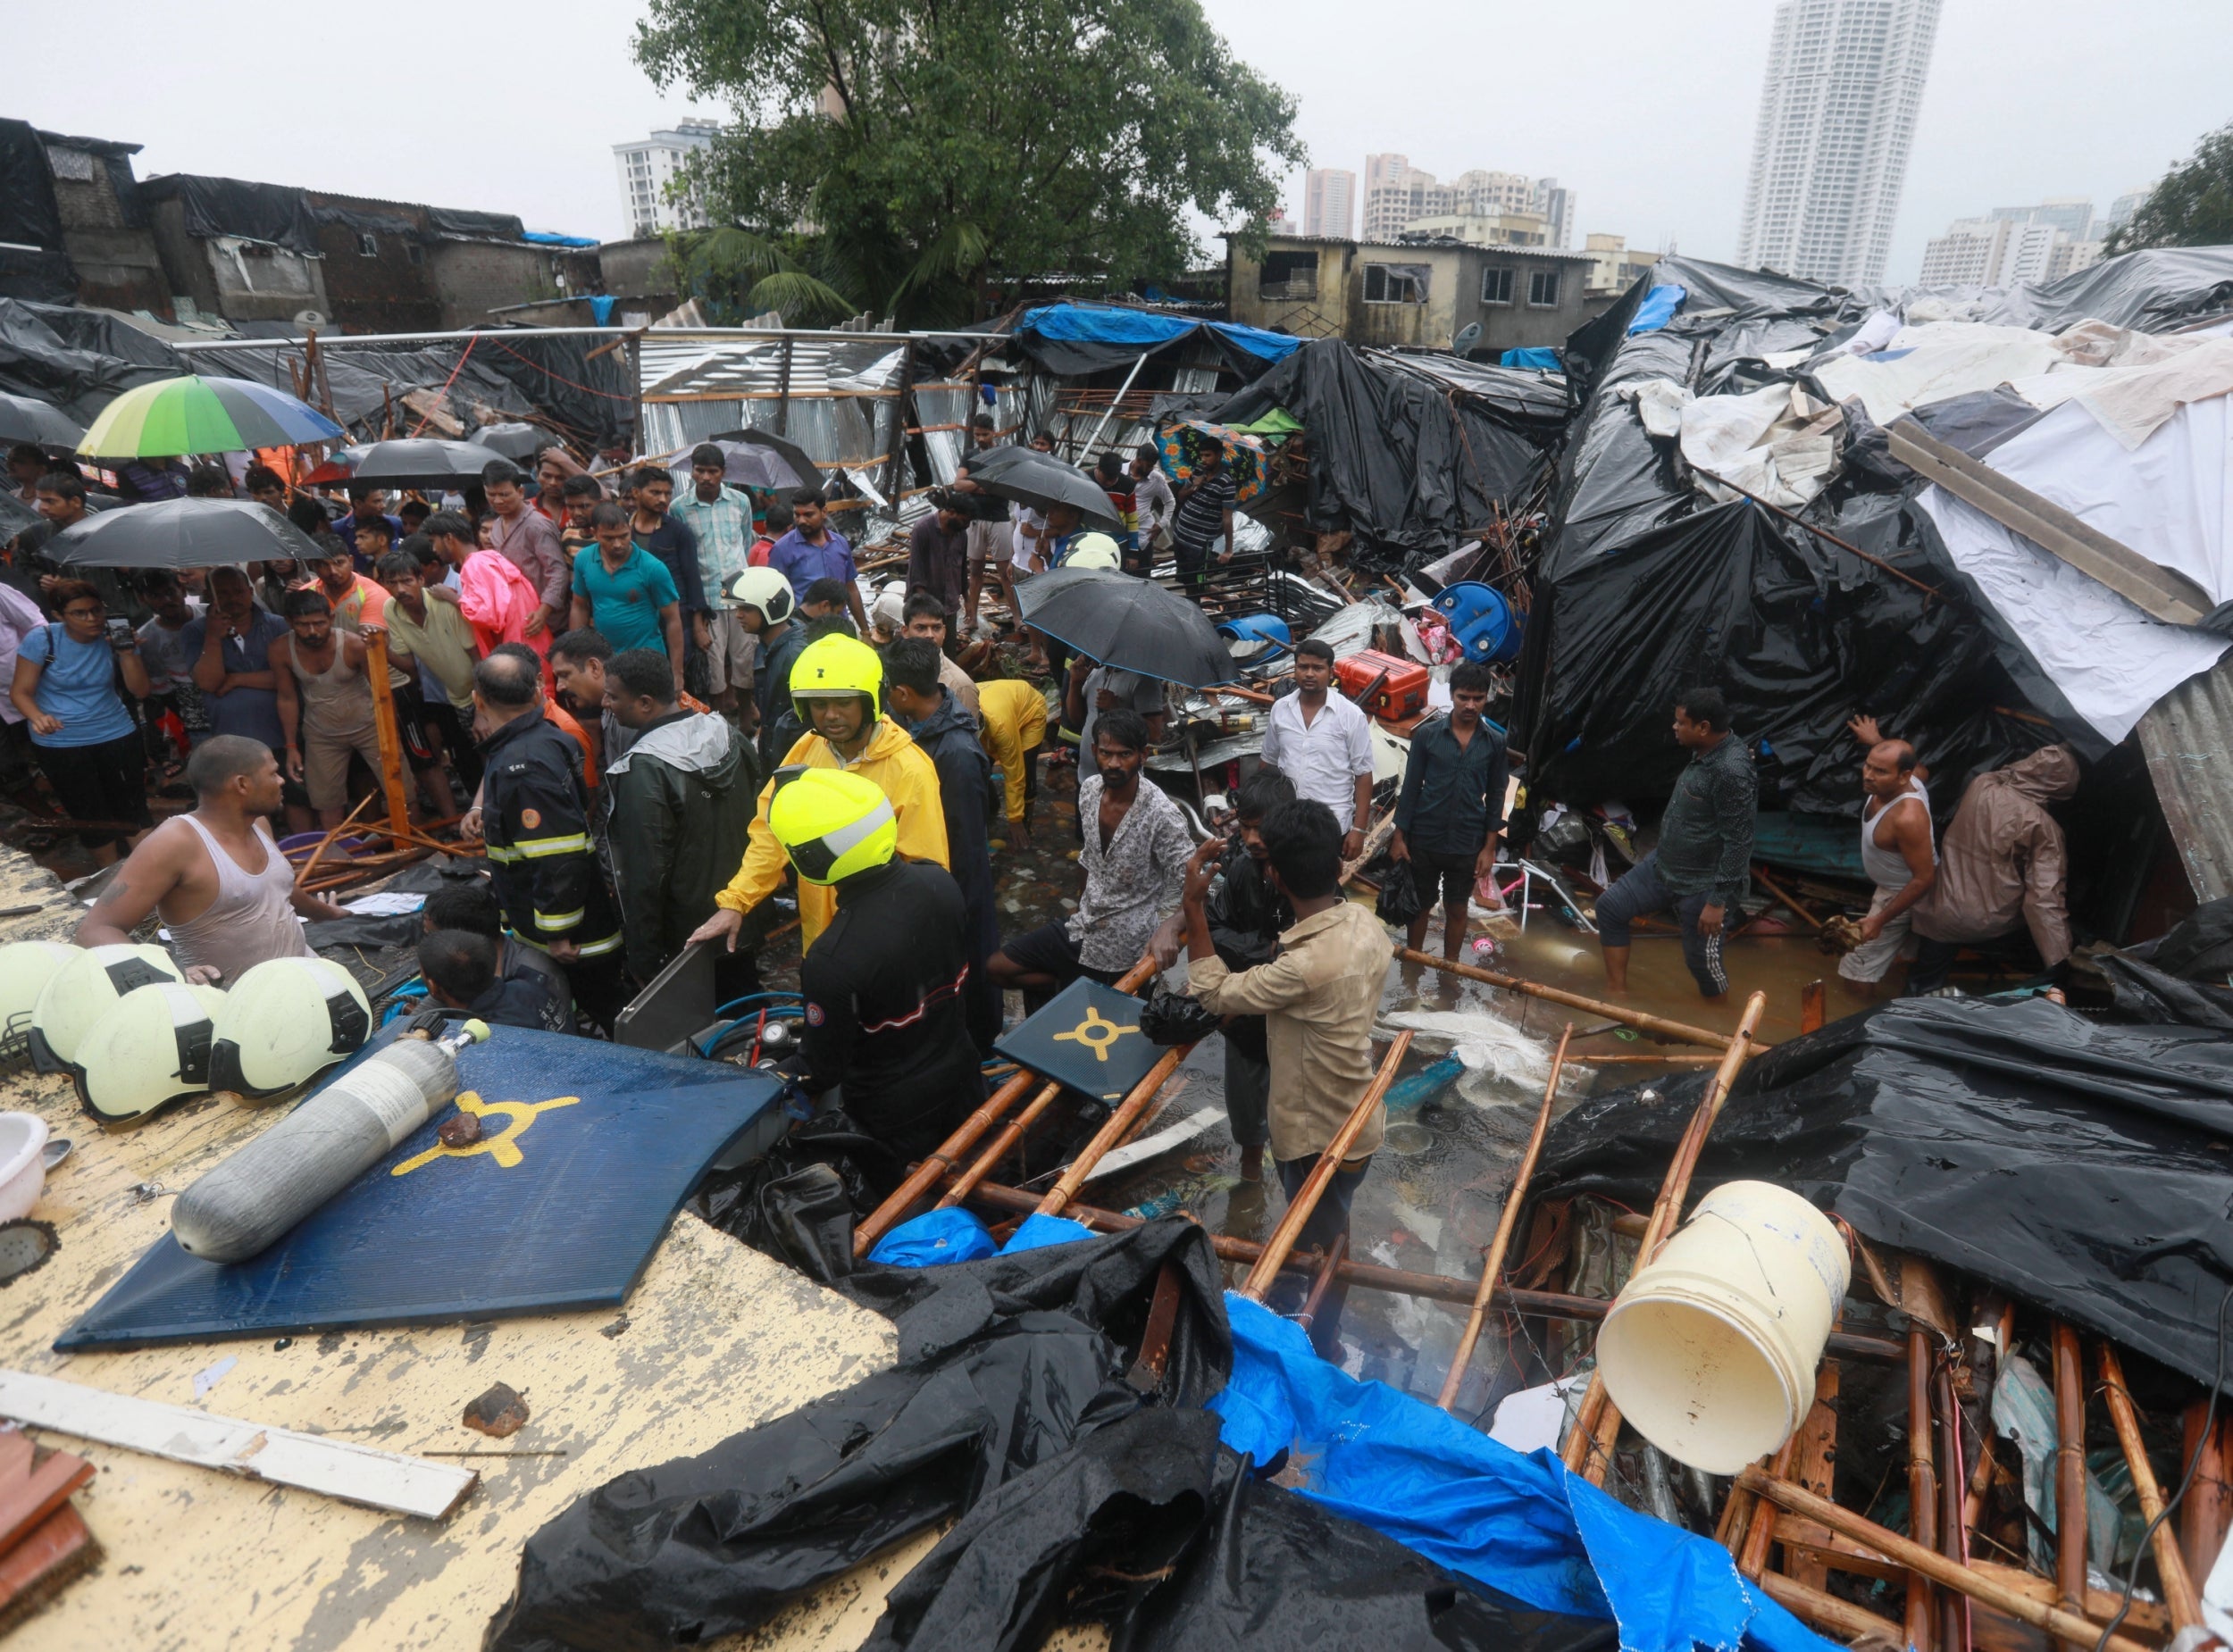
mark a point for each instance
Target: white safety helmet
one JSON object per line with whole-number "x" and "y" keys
{"x": 1094, "y": 550}
{"x": 26, "y": 966}
{"x": 150, "y": 1046}
{"x": 766, "y": 590}
{"x": 82, "y": 992}
{"x": 286, "y": 1021}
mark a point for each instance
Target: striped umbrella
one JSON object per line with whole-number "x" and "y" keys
{"x": 203, "y": 415}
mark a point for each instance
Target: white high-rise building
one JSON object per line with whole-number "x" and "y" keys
{"x": 647, "y": 166}
{"x": 1837, "y": 110}
{"x": 1329, "y": 201}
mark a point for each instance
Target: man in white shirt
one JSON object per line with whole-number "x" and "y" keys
{"x": 1322, "y": 743}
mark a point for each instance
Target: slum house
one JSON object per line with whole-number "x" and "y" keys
{"x": 1732, "y": 509}
{"x": 1416, "y": 293}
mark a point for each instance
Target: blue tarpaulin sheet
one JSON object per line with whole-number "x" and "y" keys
{"x": 1657, "y": 309}
{"x": 1141, "y": 329}
{"x": 1539, "y": 356}
{"x": 933, "y": 1240}
{"x": 1521, "y": 1524}
{"x": 588, "y": 1148}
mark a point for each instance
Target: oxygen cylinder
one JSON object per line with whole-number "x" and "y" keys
{"x": 249, "y": 1203}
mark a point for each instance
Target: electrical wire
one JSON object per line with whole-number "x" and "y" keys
{"x": 2209, "y": 1427}
{"x": 749, "y": 997}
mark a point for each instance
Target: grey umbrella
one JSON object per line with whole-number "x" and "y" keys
{"x": 26, "y": 419}
{"x": 808, "y": 472}
{"x": 517, "y": 441}
{"x": 1042, "y": 481}
{"x": 749, "y": 465}
{"x": 181, "y": 533}
{"x": 420, "y": 461}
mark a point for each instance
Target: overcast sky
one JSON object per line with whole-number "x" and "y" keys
{"x": 1644, "y": 110}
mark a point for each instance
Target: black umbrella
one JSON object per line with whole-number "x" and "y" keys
{"x": 15, "y": 516}
{"x": 181, "y": 533}
{"x": 1132, "y": 623}
{"x": 749, "y": 466}
{"x": 808, "y": 472}
{"x": 420, "y": 461}
{"x": 26, "y": 418}
{"x": 1042, "y": 481}
{"x": 517, "y": 441}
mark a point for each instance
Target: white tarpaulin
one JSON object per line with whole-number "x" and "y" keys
{"x": 1936, "y": 361}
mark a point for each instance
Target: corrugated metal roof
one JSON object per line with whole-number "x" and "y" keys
{"x": 2188, "y": 739}
{"x": 677, "y": 364}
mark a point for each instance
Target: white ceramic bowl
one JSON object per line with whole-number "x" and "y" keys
{"x": 22, "y": 1169}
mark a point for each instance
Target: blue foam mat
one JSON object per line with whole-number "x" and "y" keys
{"x": 559, "y": 1209}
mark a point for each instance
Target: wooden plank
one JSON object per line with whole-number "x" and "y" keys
{"x": 2157, "y": 591}
{"x": 337, "y": 1468}
{"x": 55, "y": 1551}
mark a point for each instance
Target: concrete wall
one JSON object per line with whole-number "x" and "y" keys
{"x": 242, "y": 281}
{"x": 472, "y": 278}
{"x": 119, "y": 266}
{"x": 389, "y": 290}
{"x": 1316, "y": 290}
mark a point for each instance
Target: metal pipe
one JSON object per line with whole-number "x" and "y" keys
{"x": 1507, "y": 1220}
{"x": 666, "y": 335}
{"x": 1305, "y": 1203}
{"x": 1111, "y": 410}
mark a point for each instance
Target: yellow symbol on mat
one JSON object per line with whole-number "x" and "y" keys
{"x": 1096, "y": 1033}
{"x": 504, "y": 1147}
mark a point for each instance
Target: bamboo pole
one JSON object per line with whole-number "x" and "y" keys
{"x": 1589, "y": 1442}
{"x": 1786, "y": 899}
{"x": 1953, "y": 1536}
{"x": 1751, "y": 1558}
{"x": 1937, "y": 1567}
{"x": 2070, "y": 1479}
{"x": 1113, "y": 1130}
{"x": 1322, "y": 1281}
{"x": 1011, "y": 1133}
{"x": 317, "y": 853}
{"x": 1429, "y": 1286}
{"x": 1826, "y": 1611}
{"x": 1507, "y": 1220}
{"x": 2179, "y": 1586}
{"x": 925, "y": 1176}
{"x": 1572, "y": 1000}
{"x": 2198, "y": 1515}
{"x": 1305, "y": 1204}
{"x": 384, "y": 724}
{"x": 1922, "y": 1484}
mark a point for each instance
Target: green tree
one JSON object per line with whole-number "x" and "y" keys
{"x": 2192, "y": 207}
{"x": 904, "y": 155}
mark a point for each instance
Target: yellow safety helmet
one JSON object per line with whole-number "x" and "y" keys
{"x": 1094, "y": 550}
{"x": 833, "y": 824}
{"x": 834, "y": 665}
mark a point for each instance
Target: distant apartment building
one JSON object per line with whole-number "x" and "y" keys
{"x": 1613, "y": 267}
{"x": 649, "y": 166}
{"x": 1329, "y": 201}
{"x": 2121, "y": 209}
{"x": 1398, "y": 197}
{"x": 1499, "y": 228}
{"x": 1838, "y": 104}
{"x": 2014, "y": 244}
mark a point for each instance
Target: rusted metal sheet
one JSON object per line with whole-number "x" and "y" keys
{"x": 2187, "y": 739}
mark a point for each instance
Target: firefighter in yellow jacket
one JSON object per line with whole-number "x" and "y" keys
{"x": 836, "y": 685}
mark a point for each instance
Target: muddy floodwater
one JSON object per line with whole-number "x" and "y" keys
{"x": 1431, "y": 1202}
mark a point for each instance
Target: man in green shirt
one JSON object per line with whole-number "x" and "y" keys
{"x": 626, "y": 594}
{"x": 426, "y": 620}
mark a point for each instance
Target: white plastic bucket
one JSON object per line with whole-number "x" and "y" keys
{"x": 1711, "y": 1350}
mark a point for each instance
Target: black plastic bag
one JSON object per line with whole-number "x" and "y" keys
{"x": 798, "y": 1201}
{"x": 1170, "y": 1017}
{"x": 1398, "y": 902}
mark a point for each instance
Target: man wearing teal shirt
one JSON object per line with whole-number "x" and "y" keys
{"x": 626, "y": 594}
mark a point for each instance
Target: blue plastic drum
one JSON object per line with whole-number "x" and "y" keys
{"x": 1258, "y": 627}
{"x": 1487, "y": 627}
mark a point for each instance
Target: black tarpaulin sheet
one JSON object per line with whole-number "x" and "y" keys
{"x": 1798, "y": 633}
{"x": 2080, "y": 1166}
{"x": 2154, "y": 291}
{"x": 1405, "y": 465}
{"x": 579, "y": 380}
{"x": 276, "y": 214}
{"x": 75, "y": 359}
{"x": 1003, "y": 1365}
{"x": 470, "y": 226}
{"x": 33, "y": 265}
